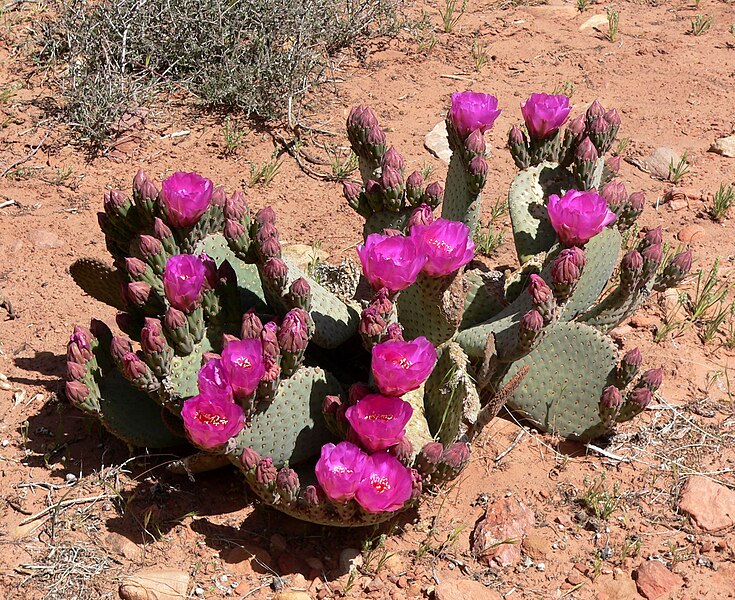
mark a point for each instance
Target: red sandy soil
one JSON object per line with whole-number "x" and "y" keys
{"x": 672, "y": 89}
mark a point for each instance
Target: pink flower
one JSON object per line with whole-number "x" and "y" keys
{"x": 185, "y": 198}
{"x": 242, "y": 361}
{"x": 446, "y": 244}
{"x": 399, "y": 367}
{"x": 391, "y": 262}
{"x": 210, "y": 270}
{"x": 473, "y": 110}
{"x": 211, "y": 421}
{"x": 578, "y": 216}
{"x": 379, "y": 421}
{"x": 544, "y": 114}
{"x": 183, "y": 280}
{"x": 386, "y": 485}
{"x": 212, "y": 381}
{"x": 340, "y": 469}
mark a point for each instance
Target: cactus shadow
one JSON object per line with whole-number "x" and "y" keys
{"x": 47, "y": 364}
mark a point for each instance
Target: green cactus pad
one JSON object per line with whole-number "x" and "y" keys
{"x": 613, "y": 309}
{"x": 291, "y": 429}
{"x": 527, "y": 197}
{"x": 99, "y": 280}
{"x": 451, "y": 401}
{"x": 335, "y": 322}
{"x": 248, "y": 281}
{"x": 432, "y": 307}
{"x": 385, "y": 219}
{"x": 485, "y": 297}
{"x": 459, "y": 204}
{"x": 567, "y": 372}
{"x": 133, "y": 416}
{"x": 602, "y": 253}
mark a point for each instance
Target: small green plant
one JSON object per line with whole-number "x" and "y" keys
{"x": 708, "y": 293}
{"x": 670, "y": 321}
{"x": 583, "y": 5}
{"x": 566, "y": 88}
{"x": 488, "y": 240}
{"x": 234, "y": 136}
{"x": 701, "y": 24}
{"x": 678, "y": 170}
{"x": 723, "y": 200}
{"x": 452, "y": 13}
{"x": 499, "y": 209}
{"x": 613, "y": 21}
{"x": 621, "y": 146}
{"x": 264, "y": 174}
{"x": 479, "y": 54}
{"x": 712, "y": 323}
{"x": 597, "y": 500}
{"x": 8, "y": 93}
{"x": 314, "y": 261}
{"x": 427, "y": 170}
{"x": 343, "y": 163}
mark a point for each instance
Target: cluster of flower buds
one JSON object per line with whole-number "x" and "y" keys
{"x": 82, "y": 388}
{"x": 613, "y": 406}
{"x": 365, "y": 135}
{"x": 627, "y": 207}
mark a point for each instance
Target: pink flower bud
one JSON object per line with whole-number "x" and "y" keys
{"x": 151, "y": 337}
{"x": 611, "y": 398}
{"x": 251, "y": 326}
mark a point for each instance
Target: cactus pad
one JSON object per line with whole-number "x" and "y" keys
{"x": 527, "y": 197}
{"x": 99, "y": 280}
{"x": 567, "y": 373}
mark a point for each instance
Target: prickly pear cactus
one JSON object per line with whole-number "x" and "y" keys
{"x": 343, "y": 411}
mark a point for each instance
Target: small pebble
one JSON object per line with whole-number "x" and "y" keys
{"x": 5, "y": 443}
{"x": 199, "y": 591}
{"x": 541, "y": 567}
{"x": 70, "y": 478}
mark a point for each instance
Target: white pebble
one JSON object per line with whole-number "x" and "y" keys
{"x": 541, "y": 567}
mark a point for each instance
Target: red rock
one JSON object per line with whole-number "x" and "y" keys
{"x": 607, "y": 588}
{"x": 654, "y": 580}
{"x": 498, "y": 536}
{"x": 691, "y": 233}
{"x": 248, "y": 559}
{"x": 464, "y": 589}
{"x": 536, "y": 546}
{"x": 710, "y": 506}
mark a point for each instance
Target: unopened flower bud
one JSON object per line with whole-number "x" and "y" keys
{"x": 249, "y": 459}
{"x": 429, "y": 457}
{"x": 640, "y": 397}
{"x": 251, "y": 326}
{"x": 519, "y": 148}
{"x": 414, "y": 188}
{"x": 611, "y": 398}
{"x": 266, "y": 472}
{"x": 475, "y": 143}
{"x": 313, "y": 496}
{"x": 433, "y": 194}
{"x": 394, "y": 332}
{"x": 288, "y": 485}
{"x": 652, "y": 379}
{"x": 119, "y": 347}
{"x": 421, "y": 215}
{"x": 151, "y": 337}
{"x": 75, "y": 371}
{"x": 331, "y": 405}
{"x": 637, "y": 201}
{"x": 357, "y": 392}
{"x": 76, "y": 392}
{"x": 372, "y": 323}
{"x": 614, "y": 193}
{"x": 393, "y": 159}
{"x": 532, "y": 321}
{"x": 586, "y": 151}
{"x": 266, "y": 216}
{"x": 403, "y": 451}
{"x": 300, "y": 294}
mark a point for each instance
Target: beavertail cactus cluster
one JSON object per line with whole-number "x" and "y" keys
{"x": 343, "y": 412}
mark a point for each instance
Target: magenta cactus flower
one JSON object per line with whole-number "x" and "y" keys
{"x": 473, "y": 110}
{"x": 578, "y": 216}
{"x": 211, "y": 421}
{"x": 544, "y": 114}
{"x": 386, "y": 485}
{"x": 446, "y": 244}
{"x": 212, "y": 381}
{"x": 379, "y": 421}
{"x": 399, "y": 367}
{"x": 391, "y": 262}
{"x": 185, "y": 198}
{"x": 183, "y": 280}
{"x": 210, "y": 271}
{"x": 242, "y": 362}
{"x": 340, "y": 470}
